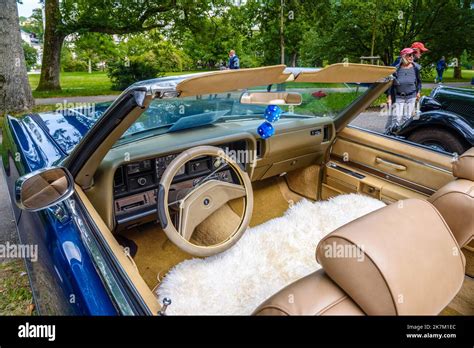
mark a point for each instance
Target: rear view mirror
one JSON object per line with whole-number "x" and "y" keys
{"x": 271, "y": 98}
{"x": 43, "y": 188}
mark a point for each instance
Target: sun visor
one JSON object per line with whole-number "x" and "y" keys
{"x": 347, "y": 73}
{"x": 228, "y": 80}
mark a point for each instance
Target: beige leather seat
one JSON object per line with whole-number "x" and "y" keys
{"x": 399, "y": 260}
{"x": 455, "y": 201}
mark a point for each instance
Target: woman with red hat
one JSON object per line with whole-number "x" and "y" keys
{"x": 405, "y": 90}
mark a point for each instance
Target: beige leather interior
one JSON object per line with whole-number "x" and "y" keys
{"x": 391, "y": 263}
{"x": 315, "y": 294}
{"x": 229, "y": 80}
{"x": 392, "y": 170}
{"x": 346, "y": 73}
{"x": 271, "y": 98}
{"x": 455, "y": 200}
{"x": 118, "y": 252}
{"x": 463, "y": 167}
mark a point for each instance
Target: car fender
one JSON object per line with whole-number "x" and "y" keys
{"x": 441, "y": 119}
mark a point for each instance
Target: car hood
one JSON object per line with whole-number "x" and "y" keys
{"x": 67, "y": 127}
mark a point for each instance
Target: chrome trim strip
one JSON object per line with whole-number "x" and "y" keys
{"x": 99, "y": 263}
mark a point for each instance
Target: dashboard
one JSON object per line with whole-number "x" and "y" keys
{"x": 136, "y": 183}
{"x": 125, "y": 183}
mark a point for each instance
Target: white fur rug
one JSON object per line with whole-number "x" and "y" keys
{"x": 267, "y": 258}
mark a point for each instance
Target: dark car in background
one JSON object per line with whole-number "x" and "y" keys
{"x": 446, "y": 121}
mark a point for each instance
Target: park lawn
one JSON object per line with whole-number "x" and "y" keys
{"x": 82, "y": 84}
{"x": 467, "y": 75}
{"x": 15, "y": 291}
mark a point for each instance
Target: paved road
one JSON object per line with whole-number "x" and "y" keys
{"x": 371, "y": 120}
{"x": 89, "y": 99}
{"x": 450, "y": 84}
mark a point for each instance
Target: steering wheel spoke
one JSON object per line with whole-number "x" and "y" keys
{"x": 202, "y": 202}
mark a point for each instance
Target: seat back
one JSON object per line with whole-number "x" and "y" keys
{"x": 455, "y": 200}
{"x": 399, "y": 260}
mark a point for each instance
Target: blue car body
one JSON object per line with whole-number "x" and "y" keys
{"x": 64, "y": 278}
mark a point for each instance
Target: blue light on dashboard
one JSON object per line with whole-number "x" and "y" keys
{"x": 266, "y": 130}
{"x": 272, "y": 113}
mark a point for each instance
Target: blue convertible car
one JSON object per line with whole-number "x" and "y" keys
{"x": 209, "y": 194}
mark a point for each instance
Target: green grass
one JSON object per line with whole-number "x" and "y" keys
{"x": 15, "y": 291}
{"x": 76, "y": 84}
{"x": 82, "y": 84}
{"x": 467, "y": 75}
{"x": 35, "y": 109}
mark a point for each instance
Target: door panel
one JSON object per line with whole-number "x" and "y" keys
{"x": 384, "y": 168}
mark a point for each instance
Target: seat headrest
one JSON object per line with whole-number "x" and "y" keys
{"x": 399, "y": 260}
{"x": 463, "y": 168}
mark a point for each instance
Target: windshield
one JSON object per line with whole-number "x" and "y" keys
{"x": 174, "y": 114}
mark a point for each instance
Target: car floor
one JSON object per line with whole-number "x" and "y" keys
{"x": 156, "y": 254}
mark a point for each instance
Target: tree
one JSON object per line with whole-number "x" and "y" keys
{"x": 298, "y": 18}
{"x": 15, "y": 91}
{"x": 353, "y": 28}
{"x": 94, "y": 47}
{"x": 110, "y": 17}
{"x": 453, "y": 33}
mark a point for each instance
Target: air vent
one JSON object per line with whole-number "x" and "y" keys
{"x": 259, "y": 148}
{"x": 327, "y": 133}
{"x": 118, "y": 177}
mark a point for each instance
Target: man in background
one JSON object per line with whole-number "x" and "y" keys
{"x": 234, "y": 62}
{"x": 440, "y": 67}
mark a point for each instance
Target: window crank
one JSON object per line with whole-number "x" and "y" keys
{"x": 166, "y": 303}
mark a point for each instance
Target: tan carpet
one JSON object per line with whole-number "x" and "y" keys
{"x": 270, "y": 198}
{"x": 156, "y": 254}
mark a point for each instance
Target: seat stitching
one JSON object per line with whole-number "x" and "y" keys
{"x": 331, "y": 305}
{"x": 275, "y": 307}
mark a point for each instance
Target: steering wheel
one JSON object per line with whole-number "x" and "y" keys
{"x": 207, "y": 195}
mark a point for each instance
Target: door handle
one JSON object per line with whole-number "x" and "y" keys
{"x": 390, "y": 164}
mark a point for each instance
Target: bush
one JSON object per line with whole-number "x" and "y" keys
{"x": 69, "y": 64}
{"x": 140, "y": 68}
{"x": 31, "y": 55}
{"x": 74, "y": 65}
